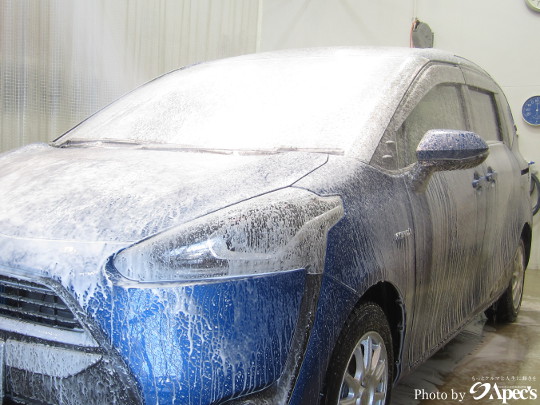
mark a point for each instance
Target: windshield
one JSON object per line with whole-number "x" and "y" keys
{"x": 254, "y": 104}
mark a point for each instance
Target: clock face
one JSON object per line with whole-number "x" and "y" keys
{"x": 531, "y": 110}
{"x": 534, "y": 4}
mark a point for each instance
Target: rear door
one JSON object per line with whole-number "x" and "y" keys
{"x": 501, "y": 182}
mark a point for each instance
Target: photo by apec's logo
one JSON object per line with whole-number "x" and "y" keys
{"x": 481, "y": 390}
{"x": 486, "y": 392}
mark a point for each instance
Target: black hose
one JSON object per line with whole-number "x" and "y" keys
{"x": 535, "y": 187}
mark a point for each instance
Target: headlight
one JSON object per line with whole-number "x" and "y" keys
{"x": 283, "y": 230}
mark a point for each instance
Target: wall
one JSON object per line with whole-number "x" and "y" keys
{"x": 500, "y": 35}
{"x": 62, "y": 60}
{"x": 303, "y": 23}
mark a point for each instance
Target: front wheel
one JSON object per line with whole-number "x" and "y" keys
{"x": 507, "y": 307}
{"x": 361, "y": 367}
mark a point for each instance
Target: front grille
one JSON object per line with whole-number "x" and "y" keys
{"x": 36, "y": 303}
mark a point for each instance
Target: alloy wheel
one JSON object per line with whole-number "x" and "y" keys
{"x": 518, "y": 273}
{"x": 366, "y": 378}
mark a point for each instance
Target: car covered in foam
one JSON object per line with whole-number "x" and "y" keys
{"x": 292, "y": 227}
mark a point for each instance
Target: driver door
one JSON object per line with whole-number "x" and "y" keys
{"x": 448, "y": 216}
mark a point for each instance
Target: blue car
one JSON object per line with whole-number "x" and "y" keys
{"x": 297, "y": 227}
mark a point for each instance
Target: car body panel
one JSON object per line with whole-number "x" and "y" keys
{"x": 366, "y": 248}
{"x": 329, "y": 320}
{"x": 447, "y": 225}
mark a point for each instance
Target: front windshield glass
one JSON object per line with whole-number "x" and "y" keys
{"x": 249, "y": 104}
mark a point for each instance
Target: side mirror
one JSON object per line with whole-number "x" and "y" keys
{"x": 444, "y": 150}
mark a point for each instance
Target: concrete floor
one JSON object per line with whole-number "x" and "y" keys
{"x": 502, "y": 360}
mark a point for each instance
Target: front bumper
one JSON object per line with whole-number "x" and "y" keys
{"x": 47, "y": 356}
{"x": 91, "y": 378}
{"x": 172, "y": 343}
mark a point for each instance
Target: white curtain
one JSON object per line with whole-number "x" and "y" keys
{"x": 62, "y": 60}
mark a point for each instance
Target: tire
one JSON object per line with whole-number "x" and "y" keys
{"x": 506, "y": 308}
{"x": 364, "y": 341}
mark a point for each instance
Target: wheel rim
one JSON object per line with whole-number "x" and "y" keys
{"x": 517, "y": 277}
{"x": 366, "y": 378}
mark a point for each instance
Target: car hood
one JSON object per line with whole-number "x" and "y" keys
{"x": 121, "y": 194}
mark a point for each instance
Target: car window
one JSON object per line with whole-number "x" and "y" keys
{"x": 253, "y": 105}
{"x": 440, "y": 108}
{"x": 485, "y": 119}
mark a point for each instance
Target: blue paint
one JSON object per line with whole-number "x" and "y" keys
{"x": 531, "y": 110}
{"x": 450, "y": 145}
{"x": 205, "y": 342}
{"x": 335, "y": 302}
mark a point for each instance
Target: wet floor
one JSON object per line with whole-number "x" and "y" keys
{"x": 485, "y": 363}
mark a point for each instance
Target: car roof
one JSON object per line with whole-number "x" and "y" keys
{"x": 413, "y": 57}
{"x": 418, "y": 54}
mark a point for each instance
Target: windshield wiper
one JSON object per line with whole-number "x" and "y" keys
{"x": 285, "y": 149}
{"x": 238, "y": 151}
{"x": 191, "y": 148}
{"x": 140, "y": 145}
{"x": 96, "y": 142}
{"x": 186, "y": 148}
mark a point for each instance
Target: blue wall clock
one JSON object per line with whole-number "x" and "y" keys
{"x": 531, "y": 111}
{"x": 534, "y": 5}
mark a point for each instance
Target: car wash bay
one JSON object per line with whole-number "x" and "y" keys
{"x": 481, "y": 357}
{"x": 61, "y": 61}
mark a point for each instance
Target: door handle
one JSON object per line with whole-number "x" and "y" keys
{"x": 478, "y": 181}
{"x": 491, "y": 176}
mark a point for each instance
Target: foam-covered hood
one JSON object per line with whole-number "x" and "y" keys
{"x": 124, "y": 194}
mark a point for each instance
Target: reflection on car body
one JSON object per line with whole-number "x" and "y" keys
{"x": 294, "y": 227}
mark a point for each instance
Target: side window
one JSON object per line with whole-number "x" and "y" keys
{"x": 485, "y": 119}
{"x": 440, "y": 108}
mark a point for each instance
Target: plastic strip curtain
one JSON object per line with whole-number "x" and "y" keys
{"x": 62, "y": 60}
